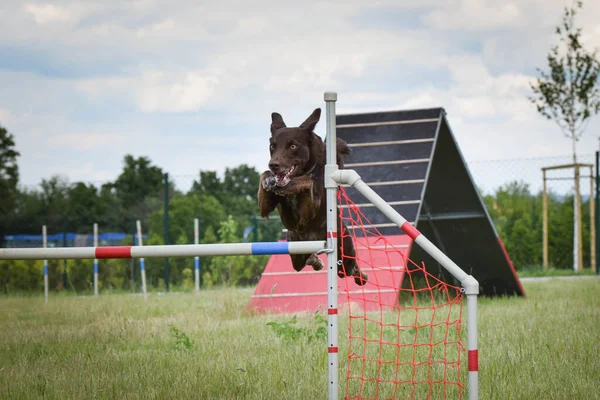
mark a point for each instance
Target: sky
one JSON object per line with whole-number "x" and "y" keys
{"x": 192, "y": 84}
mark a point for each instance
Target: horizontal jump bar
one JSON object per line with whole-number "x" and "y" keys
{"x": 183, "y": 250}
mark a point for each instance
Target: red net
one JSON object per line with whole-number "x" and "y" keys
{"x": 404, "y": 326}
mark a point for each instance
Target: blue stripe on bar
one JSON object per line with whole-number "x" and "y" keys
{"x": 270, "y": 248}
{"x": 197, "y": 263}
{"x": 142, "y": 265}
{"x": 45, "y": 270}
{"x": 95, "y": 268}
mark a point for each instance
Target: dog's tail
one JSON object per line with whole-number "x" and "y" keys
{"x": 342, "y": 150}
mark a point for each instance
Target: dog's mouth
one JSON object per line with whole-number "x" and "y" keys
{"x": 284, "y": 177}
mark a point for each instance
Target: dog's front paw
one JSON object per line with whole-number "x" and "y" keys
{"x": 268, "y": 181}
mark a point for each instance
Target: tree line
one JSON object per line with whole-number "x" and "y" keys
{"x": 225, "y": 206}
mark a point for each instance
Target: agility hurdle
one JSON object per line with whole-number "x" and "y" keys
{"x": 333, "y": 178}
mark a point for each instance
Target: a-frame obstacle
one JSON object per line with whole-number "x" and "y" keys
{"x": 411, "y": 159}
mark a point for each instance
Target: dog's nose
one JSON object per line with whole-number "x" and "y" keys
{"x": 274, "y": 166}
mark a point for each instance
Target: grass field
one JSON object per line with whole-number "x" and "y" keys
{"x": 179, "y": 346}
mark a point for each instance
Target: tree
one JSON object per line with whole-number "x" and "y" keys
{"x": 138, "y": 189}
{"x": 569, "y": 94}
{"x": 9, "y": 178}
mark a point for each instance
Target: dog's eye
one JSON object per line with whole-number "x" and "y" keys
{"x": 293, "y": 147}
{"x": 272, "y": 147}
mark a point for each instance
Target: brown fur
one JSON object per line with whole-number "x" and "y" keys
{"x": 302, "y": 202}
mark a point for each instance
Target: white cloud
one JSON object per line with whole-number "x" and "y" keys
{"x": 475, "y": 15}
{"x": 166, "y": 81}
{"x": 161, "y": 91}
{"x": 86, "y": 141}
{"x": 49, "y": 13}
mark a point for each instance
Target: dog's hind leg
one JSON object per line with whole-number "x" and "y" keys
{"x": 299, "y": 261}
{"x": 315, "y": 262}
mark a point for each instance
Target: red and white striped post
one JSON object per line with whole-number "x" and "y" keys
{"x": 332, "y": 289}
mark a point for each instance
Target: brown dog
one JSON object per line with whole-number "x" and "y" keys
{"x": 294, "y": 184}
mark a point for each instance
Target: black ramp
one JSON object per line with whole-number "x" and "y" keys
{"x": 391, "y": 151}
{"x": 410, "y": 158}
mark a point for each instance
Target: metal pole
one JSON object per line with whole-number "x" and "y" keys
{"x": 579, "y": 219}
{"x": 197, "y": 259}
{"x": 45, "y": 244}
{"x": 592, "y": 221}
{"x": 142, "y": 266}
{"x": 545, "y": 221}
{"x": 332, "y": 289}
{"x": 95, "y": 261}
{"x": 597, "y": 195}
{"x": 65, "y": 279}
{"x": 472, "y": 350}
{"x": 166, "y": 228}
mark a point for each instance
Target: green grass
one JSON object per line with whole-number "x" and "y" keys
{"x": 182, "y": 346}
{"x": 539, "y": 271}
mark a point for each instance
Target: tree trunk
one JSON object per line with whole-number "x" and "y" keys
{"x": 577, "y": 234}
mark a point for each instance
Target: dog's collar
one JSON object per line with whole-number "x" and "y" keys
{"x": 311, "y": 170}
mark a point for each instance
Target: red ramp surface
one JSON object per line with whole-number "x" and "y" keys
{"x": 283, "y": 290}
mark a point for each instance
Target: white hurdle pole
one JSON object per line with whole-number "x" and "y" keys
{"x": 332, "y": 233}
{"x": 45, "y": 244}
{"x": 161, "y": 251}
{"x": 142, "y": 266}
{"x": 95, "y": 261}
{"x": 196, "y": 259}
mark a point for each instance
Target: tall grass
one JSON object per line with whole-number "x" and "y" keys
{"x": 544, "y": 346}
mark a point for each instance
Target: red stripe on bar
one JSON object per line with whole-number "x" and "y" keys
{"x": 410, "y": 230}
{"x": 113, "y": 252}
{"x": 332, "y": 349}
{"x": 332, "y": 234}
{"x": 473, "y": 360}
{"x": 332, "y": 311}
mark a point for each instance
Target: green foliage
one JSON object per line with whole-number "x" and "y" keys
{"x": 288, "y": 330}
{"x": 181, "y": 341}
{"x": 9, "y": 178}
{"x": 517, "y": 215}
{"x": 16, "y": 275}
{"x": 569, "y": 93}
{"x": 233, "y": 270}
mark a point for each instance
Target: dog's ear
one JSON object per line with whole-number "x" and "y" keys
{"x": 311, "y": 121}
{"x": 276, "y": 122}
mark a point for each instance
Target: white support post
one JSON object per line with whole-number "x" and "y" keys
{"x": 196, "y": 259}
{"x": 472, "y": 349}
{"x": 95, "y": 261}
{"x": 142, "y": 267}
{"x": 45, "y": 244}
{"x": 332, "y": 232}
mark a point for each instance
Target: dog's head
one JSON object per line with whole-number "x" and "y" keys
{"x": 294, "y": 151}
